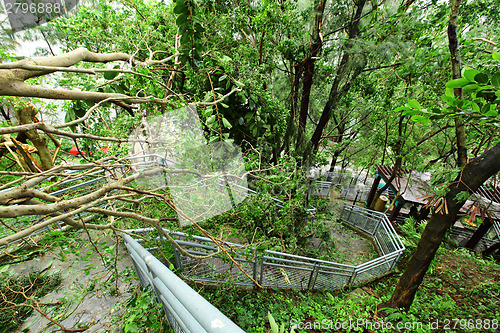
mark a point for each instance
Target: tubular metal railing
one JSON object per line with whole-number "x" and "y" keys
{"x": 185, "y": 309}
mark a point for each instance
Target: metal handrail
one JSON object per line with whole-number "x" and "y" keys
{"x": 190, "y": 310}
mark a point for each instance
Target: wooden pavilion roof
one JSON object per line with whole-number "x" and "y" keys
{"x": 414, "y": 186}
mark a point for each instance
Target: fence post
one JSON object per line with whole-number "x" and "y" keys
{"x": 177, "y": 257}
{"x": 352, "y": 278}
{"x": 312, "y": 277}
{"x": 261, "y": 277}
{"x": 254, "y": 267}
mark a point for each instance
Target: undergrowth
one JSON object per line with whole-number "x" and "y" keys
{"x": 19, "y": 294}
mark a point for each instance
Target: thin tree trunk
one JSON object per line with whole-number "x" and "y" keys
{"x": 397, "y": 164}
{"x": 456, "y": 69}
{"x": 474, "y": 174}
{"x": 314, "y": 50}
{"x": 337, "y": 89}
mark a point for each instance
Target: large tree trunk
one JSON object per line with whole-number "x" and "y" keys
{"x": 474, "y": 174}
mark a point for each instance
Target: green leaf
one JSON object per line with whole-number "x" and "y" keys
{"x": 448, "y": 100}
{"x": 481, "y": 78}
{"x": 210, "y": 120}
{"x": 421, "y": 119}
{"x": 239, "y": 84}
{"x": 470, "y": 73}
{"x": 470, "y": 87}
{"x": 401, "y": 108}
{"x": 110, "y": 75}
{"x": 241, "y": 121}
{"x": 495, "y": 56}
{"x": 495, "y": 80}
{"x": 475, "y": 107}
{"x": 272, "y": 323}
{"x": 222, "y": 78}
{"x": 491, "y": 113}
{"x": 457, "y": 83}
{"x": 449, "y": 92}
{"x": 226, "y": 123}
{"x": 414, "y": 104}
{"x": 180, "y": 7}
{"x": 182, "y": 20}
{"x": 411, "y": 112}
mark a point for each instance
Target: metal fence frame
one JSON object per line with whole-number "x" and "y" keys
{"x": 283, "y": 270}
{"x": 355, "y": 192}
{"x": 346, "y": 180}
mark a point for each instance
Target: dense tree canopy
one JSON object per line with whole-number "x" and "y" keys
{"x": 359, "y": 82}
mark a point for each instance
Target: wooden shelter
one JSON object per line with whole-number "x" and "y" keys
{"x": 413, "y": 187}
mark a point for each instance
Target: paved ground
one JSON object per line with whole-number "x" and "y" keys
{"x": 88, "y": 293}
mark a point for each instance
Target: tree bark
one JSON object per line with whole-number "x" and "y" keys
{"x": 13, "y": 75}
{"x": 337, "y": 88}
{"x": 314, "y": 50}
{"x": 26, "y": 115}
{"x": 473, "y": 175}
{"x": 456, "y": 66}
{"x": 479, "y": 234}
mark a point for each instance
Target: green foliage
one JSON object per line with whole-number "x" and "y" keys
{"x": 479, "y": 105}
{"x": 14, "y": 307}
{"x": 144, "y": 314}
{"x": 274, "y": 327}
{"x": 259, "y": 219}
{"x": 411, "y": 231}
{"x": 191, "y": 31}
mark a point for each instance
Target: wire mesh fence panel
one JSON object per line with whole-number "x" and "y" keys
{"x": 320, "y": 188}
{"x": 340, "y": 178}
{"x": 359, "y": 218}
{"x": 372, "y": 273}
{"x": 285, "y": 275}
{"x": 385, "y": 240}
{"x": 171, "y": 319}
{"x": 217, "y": 270}
{"x": 354, "y": 192}
{"x": 11, "y": 225}
{"x": 331, "y": 280}
{"x": 496, "y": 227}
